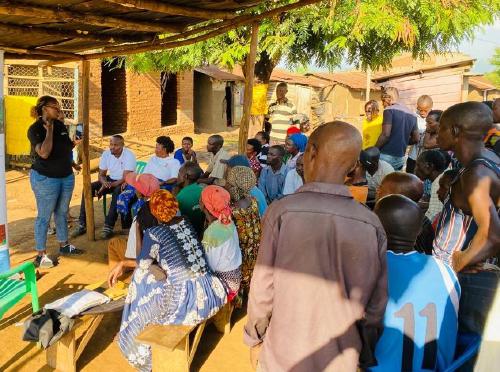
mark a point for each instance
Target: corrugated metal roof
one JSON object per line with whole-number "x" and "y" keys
{"x": 481, "y": 82}
{"x": 218, "y": 74}
{"x": 406, "y": 65}
{"x": 351, "y": 79}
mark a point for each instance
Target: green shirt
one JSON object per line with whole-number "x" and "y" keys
{"x": 189, "y": 205}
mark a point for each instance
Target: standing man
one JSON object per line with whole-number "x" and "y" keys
{"x": 318, "y": 291}
{"x": 475, "y": 193}
{"x": 216, "y": 170}
{"x": 424, "y": 107}
{"x": 114, "y": 165}
{"x": 280, "y": 115}
{"x": 272, "y": 178}
{"x": 399, "y": 128}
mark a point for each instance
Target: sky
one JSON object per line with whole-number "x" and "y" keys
{"x": 483, "y": 47}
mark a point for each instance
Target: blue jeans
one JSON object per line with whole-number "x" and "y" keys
{"x": 397, "y": 162}
{"x": 52, "y": 196}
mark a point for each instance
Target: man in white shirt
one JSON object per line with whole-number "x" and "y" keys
{"x": 162, "y": 164}
{"x": 114, "y": 165}
{"x": 376, "y": 169}
{"x": 295, "y": 177}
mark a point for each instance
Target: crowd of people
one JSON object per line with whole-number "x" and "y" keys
{"x": 375, "y": 251}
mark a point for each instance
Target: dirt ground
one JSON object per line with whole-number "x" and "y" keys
{"x": 215, "y": 353}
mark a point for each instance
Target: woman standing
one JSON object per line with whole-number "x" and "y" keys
{"x": 240, "y": 181}
{"x": 51, "y": 177}
{"x": 220, "y": 239}
{"x": 173, "y": 282}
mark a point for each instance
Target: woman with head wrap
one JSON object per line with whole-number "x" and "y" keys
{"x": 240, "y": 181}
{"x": 172, "y": 283}
{"x": 295, "y": 145}
{"x": 220, "y": 239}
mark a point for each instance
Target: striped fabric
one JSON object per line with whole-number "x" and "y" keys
{"x": 280, "y": 115}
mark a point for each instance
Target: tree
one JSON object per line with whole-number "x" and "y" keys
{"x": 494, "y": 75}
{"x": 368, "y": 33}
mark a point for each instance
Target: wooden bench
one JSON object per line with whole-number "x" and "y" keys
{"x": 171, "y": 346}
{"x": 64, "y": 354}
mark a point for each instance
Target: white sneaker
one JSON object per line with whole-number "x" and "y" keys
{"x": 44, "y": 262}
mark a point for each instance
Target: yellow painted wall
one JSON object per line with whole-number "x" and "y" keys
{"x": 17, "y": 121}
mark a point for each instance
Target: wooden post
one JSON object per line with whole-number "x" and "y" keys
{"x": 87, "y": 190}
{"x": 247, "y": 99}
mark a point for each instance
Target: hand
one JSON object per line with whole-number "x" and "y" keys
{"x": 77, "y": 141}
{"x": 48, "y": 124}
{"x": 456, "y": 261}
{"x": 100, "y": 192}
{"x": 254, "y": 355}
{"x": 115, "y": 273}
{"x": 124, "y": 184}
{"x": 107, "y": 184}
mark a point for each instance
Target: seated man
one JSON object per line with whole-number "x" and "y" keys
{"x": 216, "y": 170}
{"x": 412, "y": 187}
{"x": 186, "y": 153}
{"x": 420, "y": 326}
{"x": 272, "y": 178}
{"x": 114, "y": 165}
{"x": 189, "y": 195}
{"x": 376, "y": 169}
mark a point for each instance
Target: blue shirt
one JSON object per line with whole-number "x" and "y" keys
{"x": 271, "y": 184}
{"x": 424, "y": 294}
{"x": 403, "y": 123}
{"x": 261, "y": 199}
{"x": 178, "y": 156}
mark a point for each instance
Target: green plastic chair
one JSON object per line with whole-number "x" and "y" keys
{"x": 139, "y": 169}
{"x": 12, "y": 291}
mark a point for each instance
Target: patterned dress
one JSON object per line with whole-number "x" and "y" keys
{"x": 189, "y": 294}
{"x": 249, "y": 231}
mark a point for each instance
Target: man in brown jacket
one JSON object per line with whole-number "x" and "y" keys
{"x": 319, "y": 288}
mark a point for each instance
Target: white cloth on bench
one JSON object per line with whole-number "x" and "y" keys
{"x": 78, "y": 302}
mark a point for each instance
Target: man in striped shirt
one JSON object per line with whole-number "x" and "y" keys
{"x": 280, "y": 114}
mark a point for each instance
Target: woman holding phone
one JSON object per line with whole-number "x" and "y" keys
{"x": 51, "y": 177}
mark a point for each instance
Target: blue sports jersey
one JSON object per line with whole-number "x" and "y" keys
{"x": 420, "y": 321}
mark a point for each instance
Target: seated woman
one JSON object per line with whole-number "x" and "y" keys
{"x": 161, "y": 165}
{"x": 172, "y": 284}
{"x": 220, "y": 239}
{"x": 240, "y": 181}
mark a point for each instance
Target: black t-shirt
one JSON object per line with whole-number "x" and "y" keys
{"x": 58, "y": 164}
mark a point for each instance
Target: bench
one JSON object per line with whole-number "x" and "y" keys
{"x": 63, "y": 355}
{"x": 171, "y": 345}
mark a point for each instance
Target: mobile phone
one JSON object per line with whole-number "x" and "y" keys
{"x": 79, "y": 131}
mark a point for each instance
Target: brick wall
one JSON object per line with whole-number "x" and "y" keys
{"x": 95, "y": 99}
{"x": 185, "y": 82}
{"x": 143, "y": 101}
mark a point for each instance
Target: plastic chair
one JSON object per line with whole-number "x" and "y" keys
{"x": 467, "y": 347}
{"x": 12, "y": 290}
{"x": 139, "y": 169}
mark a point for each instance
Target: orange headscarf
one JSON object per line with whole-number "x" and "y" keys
{"x": 163, "y": 205}
{"x": 216, "y": 200}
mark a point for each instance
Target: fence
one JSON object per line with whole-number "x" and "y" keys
{"x": 35, "y": 81}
